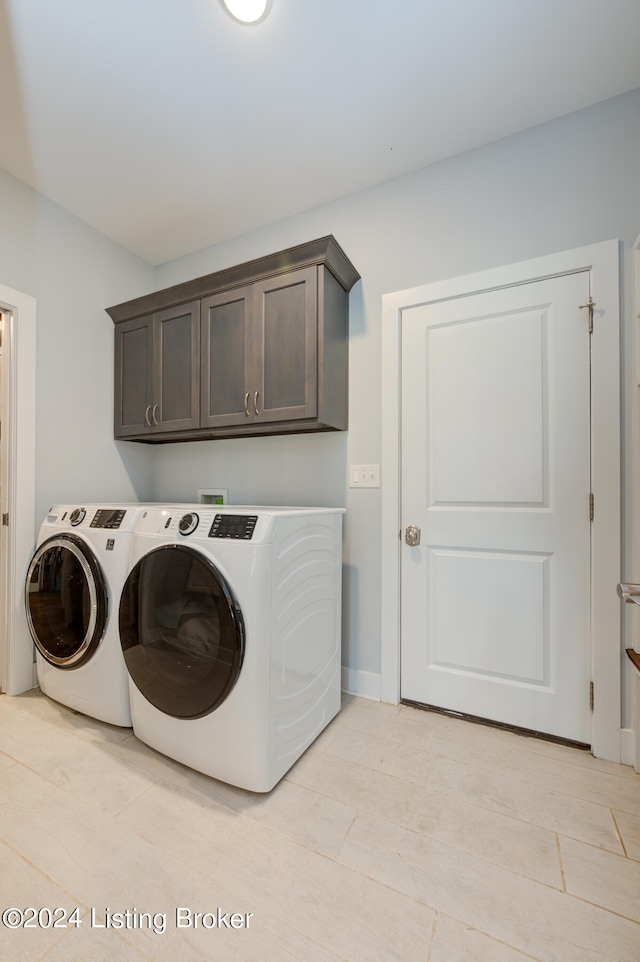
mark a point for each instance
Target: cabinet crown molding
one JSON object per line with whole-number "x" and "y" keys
{"x": 322, "y": 251}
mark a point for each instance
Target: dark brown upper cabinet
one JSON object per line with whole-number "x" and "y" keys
{"x": 261, "y": 348}
{"x": 157, "y": 373}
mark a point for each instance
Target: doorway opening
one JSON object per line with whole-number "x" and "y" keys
{"x": 601, "y": 262}
{"x": 5, "y": 472}
{"x": 17, "y": 484}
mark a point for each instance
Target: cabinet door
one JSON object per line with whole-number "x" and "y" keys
{"x": 176, "y": 397}
{"x": 133, "y": 377}
{"x": 286, "y": 346}
{"x": 226, "y": 391}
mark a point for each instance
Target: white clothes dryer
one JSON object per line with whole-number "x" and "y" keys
{"x": 72, "y": 593}
{"x": 230, "y": 627}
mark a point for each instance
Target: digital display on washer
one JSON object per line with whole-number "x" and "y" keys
{"x": 108, "y": 518}
{"x": 237, "y": 526}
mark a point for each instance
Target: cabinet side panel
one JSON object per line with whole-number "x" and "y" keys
{"x": 333, "y": 347}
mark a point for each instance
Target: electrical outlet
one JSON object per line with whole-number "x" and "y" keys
{"x": 212, "y": 496}
{"x": 364, "y": 476}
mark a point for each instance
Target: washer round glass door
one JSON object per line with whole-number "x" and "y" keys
{"x": 66, "y": 601}
{"x": 181, "y": 631}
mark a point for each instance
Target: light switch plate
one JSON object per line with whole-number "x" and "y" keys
{"x": 364, "y": 476}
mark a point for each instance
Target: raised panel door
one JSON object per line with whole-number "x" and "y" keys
{"x": 133, "y": 377}
{"x": 176, "y": 397}
{"x": 286, "y": 347}
{"x": 226, "y": 390}
{"x": 496, "y": 473}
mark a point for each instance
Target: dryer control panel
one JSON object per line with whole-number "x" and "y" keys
{"x": 108, "y": 518}
{"x": 237, "y": 526}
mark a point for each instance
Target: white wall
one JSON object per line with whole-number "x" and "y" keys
{"x": 74, "y": 273}
{"x": 565, "y": 184}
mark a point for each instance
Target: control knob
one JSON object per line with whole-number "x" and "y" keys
{"x": 188, "y": 523}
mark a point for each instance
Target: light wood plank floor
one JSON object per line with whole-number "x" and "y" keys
{"x": 400, "y": 835}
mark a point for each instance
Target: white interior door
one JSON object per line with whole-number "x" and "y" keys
{"x": 495, "y": 606}
{"x": 4, "y": 559}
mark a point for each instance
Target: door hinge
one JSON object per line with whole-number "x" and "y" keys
{"x": 591, "y": 697}
{"x": 592, "y": 507}
{"x": 5, "y": 520}
{"x": 590, "y": 305}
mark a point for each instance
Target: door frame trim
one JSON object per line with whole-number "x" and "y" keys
{"x": 631, "y": 564}
{"x": 603, "y": 263}
{"x": 20, "y": 396}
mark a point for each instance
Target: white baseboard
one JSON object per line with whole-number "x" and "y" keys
{"x": 627, "y": 746}
{"x": 363, "y": 683}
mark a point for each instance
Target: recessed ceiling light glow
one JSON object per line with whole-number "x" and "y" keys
{"x": 247, "y": 11}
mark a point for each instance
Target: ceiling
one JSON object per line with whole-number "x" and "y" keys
{"x": 168, "y": 126}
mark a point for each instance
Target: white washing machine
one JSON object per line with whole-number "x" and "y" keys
{"x": 72, "y": 593}
{"x": 230, "y": 628}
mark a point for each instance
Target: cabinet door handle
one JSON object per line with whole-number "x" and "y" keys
{"x": 146, "y": 416}
{"x": 255, "y": 402}
{"x": 246, "y": 404}
{"x": 153, "y": 414}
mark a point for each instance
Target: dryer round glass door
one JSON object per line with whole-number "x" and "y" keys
{"x": 182, "y": 631}
{"x": 66, "y": 601}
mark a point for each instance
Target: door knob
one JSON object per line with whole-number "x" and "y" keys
{"x": 630, "y": 593}
{"x": 412, "y": 536}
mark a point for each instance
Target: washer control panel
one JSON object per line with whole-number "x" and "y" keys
{"x": 188, "y": 523}
{"x": 107, "y": 518}
{"x": 237, "y": 526}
